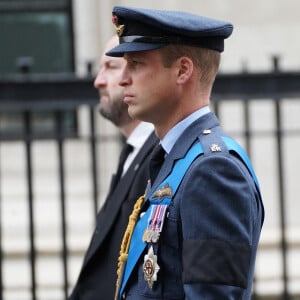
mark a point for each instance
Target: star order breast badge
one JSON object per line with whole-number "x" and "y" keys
{"x": 150, "y": 267}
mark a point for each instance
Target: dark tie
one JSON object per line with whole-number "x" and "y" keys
{"x": 127, "y": 149}
{"x": 156, "y": 161}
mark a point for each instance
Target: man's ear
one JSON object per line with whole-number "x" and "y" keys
{"x": 185, "y": 69}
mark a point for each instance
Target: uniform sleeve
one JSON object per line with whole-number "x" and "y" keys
{"x": 218, "y": 214}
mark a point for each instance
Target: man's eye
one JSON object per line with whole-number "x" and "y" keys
{"x": 134, "y": 63}
{"x": 112, "y": 66}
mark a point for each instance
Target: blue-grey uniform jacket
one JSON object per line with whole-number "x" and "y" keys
{"x": 208, "y": 244}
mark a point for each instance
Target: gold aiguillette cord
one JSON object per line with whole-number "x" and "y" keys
{"x": 126, "y": 242}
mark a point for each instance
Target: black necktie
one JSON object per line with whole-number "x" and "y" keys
{"x": 127, "y": 149}
{"x": 156, "y": 161}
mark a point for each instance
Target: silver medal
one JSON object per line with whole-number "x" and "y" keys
{"x": 150, "y": 267}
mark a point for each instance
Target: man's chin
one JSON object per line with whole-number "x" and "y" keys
{"x": 135, "y": 115}
{"x": 104, "y": 112}
{"x": 132, "y": 112}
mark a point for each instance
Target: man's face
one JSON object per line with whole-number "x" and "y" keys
{"x": 112, "y": 106}
{"x": 149, "y": 87}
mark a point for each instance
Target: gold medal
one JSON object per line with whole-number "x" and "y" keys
{"x": 146, "y": 235}
{"x": 150, "y": 267}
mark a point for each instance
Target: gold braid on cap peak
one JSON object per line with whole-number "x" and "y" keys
{"x": 126, "y": 241}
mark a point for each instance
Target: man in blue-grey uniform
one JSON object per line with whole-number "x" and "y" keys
{"x": 195, "y": 233}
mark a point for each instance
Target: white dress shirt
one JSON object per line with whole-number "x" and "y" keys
{"x": 137, "y": 139}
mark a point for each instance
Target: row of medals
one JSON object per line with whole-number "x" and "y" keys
{"x": 151, "y": 236}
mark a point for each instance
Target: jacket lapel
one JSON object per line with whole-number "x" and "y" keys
{"x": 106, "y": 219}
{"x": 185, "y": 141}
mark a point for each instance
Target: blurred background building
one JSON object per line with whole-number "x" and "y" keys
{"x": 57, "y": 153}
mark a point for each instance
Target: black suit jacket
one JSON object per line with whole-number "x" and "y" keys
{"x": 97, "y": 278}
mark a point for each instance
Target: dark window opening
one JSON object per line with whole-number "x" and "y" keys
{"x": 36, "y": 38}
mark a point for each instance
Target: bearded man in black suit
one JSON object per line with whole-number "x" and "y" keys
{"x": 97, "y": 278}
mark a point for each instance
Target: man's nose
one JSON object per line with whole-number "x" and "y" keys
{"x": 100, "y": 80}
{"x": 125, "y": 78}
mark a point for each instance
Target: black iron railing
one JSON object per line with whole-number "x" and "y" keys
{"x": 27, "y": 93}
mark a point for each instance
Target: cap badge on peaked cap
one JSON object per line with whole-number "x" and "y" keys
{"x": 119, "y": 28}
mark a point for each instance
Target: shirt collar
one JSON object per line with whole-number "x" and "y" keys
{"x": 174, "y": 133}
{"x": 140, "y": 134}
